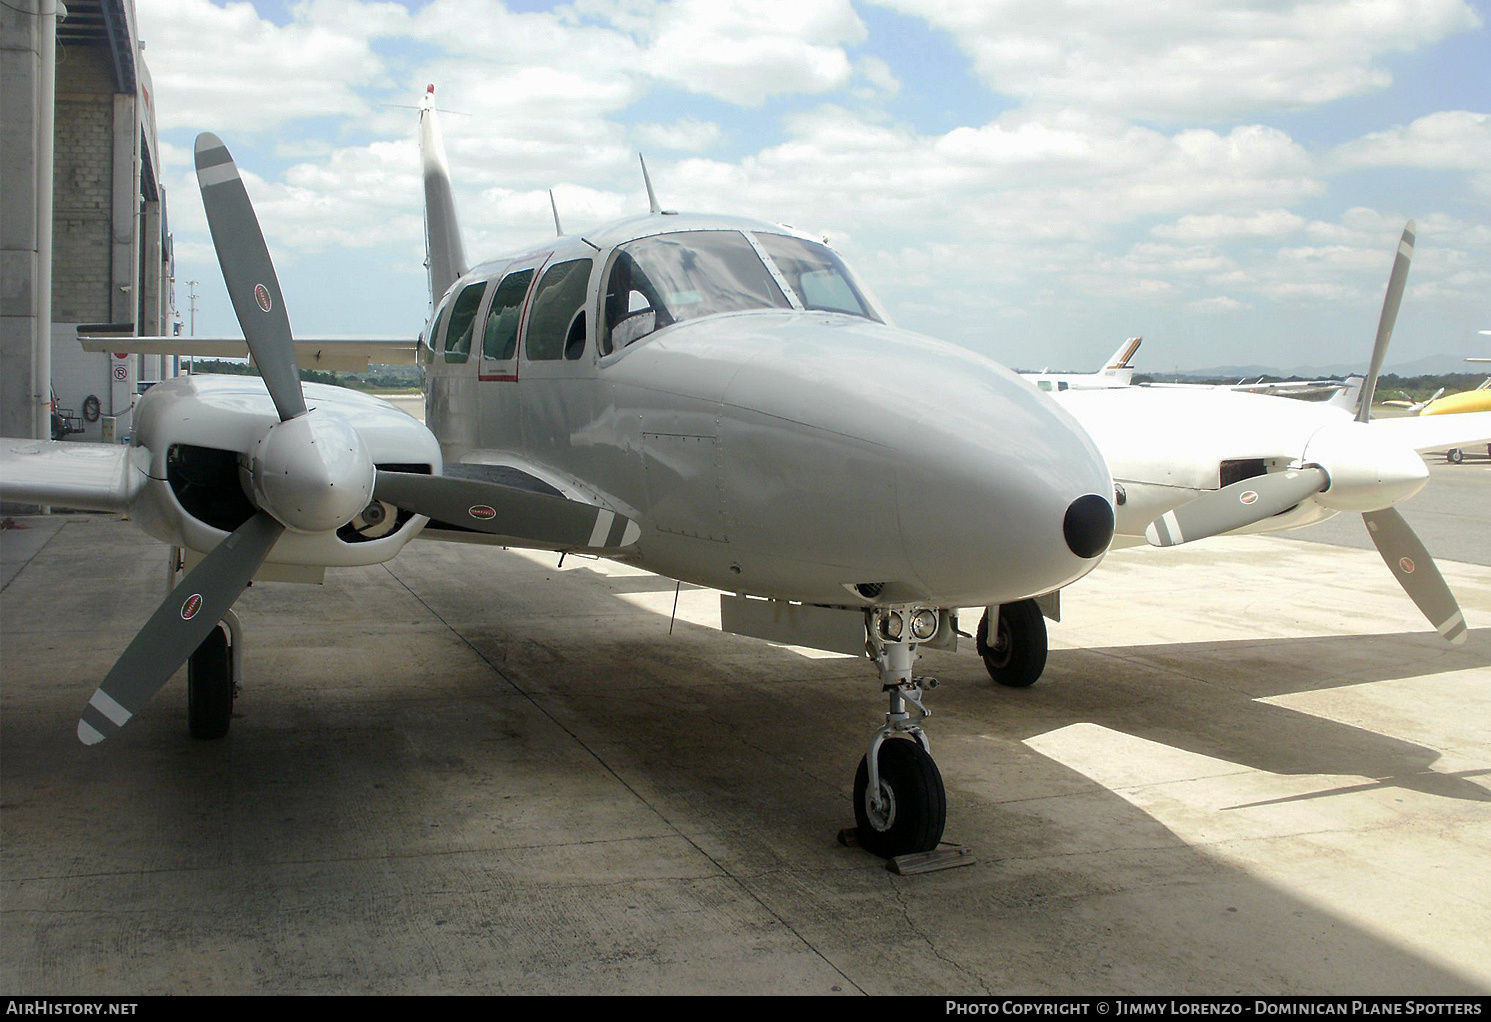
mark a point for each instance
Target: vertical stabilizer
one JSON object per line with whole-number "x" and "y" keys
{"x": 445, "y": 257}
{"x": 1123, "y": 358}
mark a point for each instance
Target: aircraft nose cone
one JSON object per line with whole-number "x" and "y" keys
{"x": 1088, "y": 526}
{"x": 895, "y": 464}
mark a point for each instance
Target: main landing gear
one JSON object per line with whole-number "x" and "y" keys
{"x": 1015, "y": 653}
{"x": 900, "y": 806}
{"x": 212, "y": 672}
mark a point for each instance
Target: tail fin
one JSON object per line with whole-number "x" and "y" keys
{"x": 1122, "y": 357}
{"x": 1120, "y": 367}
{"x": 1349, "y": 396}
{"x": 445, "y": 257}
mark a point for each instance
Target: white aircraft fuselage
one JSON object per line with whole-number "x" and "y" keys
{"x": 806, "y": 454}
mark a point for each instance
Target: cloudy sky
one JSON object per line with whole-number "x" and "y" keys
{"x": 1036, "y": 179}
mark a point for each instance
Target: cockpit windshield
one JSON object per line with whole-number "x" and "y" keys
{"x": 658, "y": 281}
{"x": 816, "y": 273}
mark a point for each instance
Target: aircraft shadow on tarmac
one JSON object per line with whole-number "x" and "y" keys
{"x": 737, "y": 753}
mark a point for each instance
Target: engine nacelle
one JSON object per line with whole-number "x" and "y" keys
{"x": 1365, "y": 473}
{"x": 212, "y": 439}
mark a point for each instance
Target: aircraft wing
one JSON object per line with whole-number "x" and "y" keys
{"x": 1291, "y": 388}
{"x": 1436, "y": 432}
{"x": 90, "y": 477}
{"x": 341, "y": 353}
{"x": 1280, "y": 388}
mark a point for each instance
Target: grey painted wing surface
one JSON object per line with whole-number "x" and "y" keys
{"x": 1416, "y": 571}
{"x": 249, "y": 273}
{"x": 499, "y": 510}
{"x": 178, "y": 627}
{"x": 1232, "y": 507}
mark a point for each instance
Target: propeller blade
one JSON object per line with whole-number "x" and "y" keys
{"x": 1390, "y": 302}
{"x": 1232, "y": 507}
{"x": 178, "y": 627}
{"x": 500, "y": 510}
{"x": 249, "y": 273}
{"x": 1416, "y": 572}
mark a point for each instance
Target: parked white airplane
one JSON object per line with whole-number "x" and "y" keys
{"x": 687, "y": 393}
{"x": 1117, "y": 373}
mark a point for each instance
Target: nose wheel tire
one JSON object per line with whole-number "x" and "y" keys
{"x": 1015, "y": 655}
{"x": 209, "y": 686}
{"x": 911, "y": 810}
{"x": 1454, "y": 455}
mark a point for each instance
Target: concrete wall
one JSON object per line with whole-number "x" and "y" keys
{"x": 20, "y": 68}
{"x": 105, "y": 268}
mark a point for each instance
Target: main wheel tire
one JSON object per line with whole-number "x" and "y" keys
{"x": 916, "y": 803}
{"x": 209, "y": 686}
{"x": 1454, "y": 455}
{"x": 1017, "y": 654}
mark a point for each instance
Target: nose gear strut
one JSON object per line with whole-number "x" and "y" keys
{"x": 900, "y": 806}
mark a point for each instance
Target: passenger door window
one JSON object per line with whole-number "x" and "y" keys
{"x": 463, "y": 322}
{"x": 499, "y": 344}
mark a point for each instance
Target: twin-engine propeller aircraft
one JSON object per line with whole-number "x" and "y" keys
{"x": 716, "y": 400}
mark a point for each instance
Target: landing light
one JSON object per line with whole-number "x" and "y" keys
{"x": 892, "y": 625}
{"x": 923, "y": 624}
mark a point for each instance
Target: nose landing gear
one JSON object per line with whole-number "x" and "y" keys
{"x": 900, "y": 806}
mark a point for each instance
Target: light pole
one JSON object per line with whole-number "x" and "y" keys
{"x": 191, "y": 297}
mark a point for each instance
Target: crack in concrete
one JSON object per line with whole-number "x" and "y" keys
{"x": 931, "y": 945}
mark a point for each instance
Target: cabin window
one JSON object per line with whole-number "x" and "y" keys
{"x": 558, "y": 311}
{"x": 668, "y": 278}
{"x": 463, "y": 322}
{"x": 433, "y": 337}
{"x": 817, "y": 274}
{"x": 1044, "y": 385}
{"x": 500, "y": 337}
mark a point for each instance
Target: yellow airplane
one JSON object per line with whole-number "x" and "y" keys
{"x": 1478, "y": 400}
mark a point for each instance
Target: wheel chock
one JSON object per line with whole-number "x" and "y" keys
{"x": 947, "y": 857}
{"x": 943, "y": 857}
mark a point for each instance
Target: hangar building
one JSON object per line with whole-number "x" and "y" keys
{"x": 110, "y": 246}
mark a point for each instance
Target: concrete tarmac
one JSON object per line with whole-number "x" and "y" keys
{"x": 1250, "y": 767}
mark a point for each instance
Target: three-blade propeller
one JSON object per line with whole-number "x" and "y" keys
{"x": 1366, "y": 469}
{"x": 311, "y": 473}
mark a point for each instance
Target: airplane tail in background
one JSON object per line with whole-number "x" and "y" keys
{"x": 445, "y": 256}
{"x": 1123, "y": 358}
{"x": 1349, "y": 396}
{"x": 1121, "y": 366}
